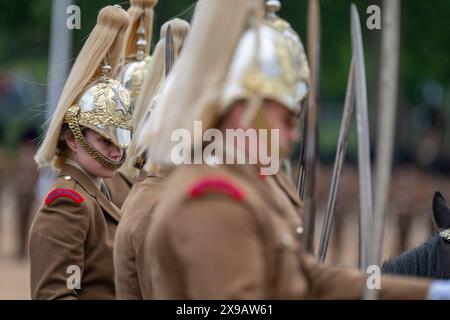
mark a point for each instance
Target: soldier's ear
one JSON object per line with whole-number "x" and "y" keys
{"x": 441, "y": 212}
{"x": 70, "y": 140}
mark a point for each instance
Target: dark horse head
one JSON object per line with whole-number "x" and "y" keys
{"x": 432, "y": 258}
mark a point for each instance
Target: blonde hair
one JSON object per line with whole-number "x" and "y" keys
{"x": 137, "y": 9}
{"x": 106, "y": 40}
{"x": 152, "y": 83}
{"x": 193, "y": 90}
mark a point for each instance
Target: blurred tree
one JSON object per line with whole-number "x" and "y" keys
{"x": 24, "y": 28}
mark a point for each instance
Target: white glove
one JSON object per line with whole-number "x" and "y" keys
{"x": 439, "y": 290}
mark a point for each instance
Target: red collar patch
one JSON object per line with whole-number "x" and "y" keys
{"x": 63, "y": 193}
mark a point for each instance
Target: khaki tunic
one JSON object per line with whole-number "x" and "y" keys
{"x": 223, "y": 233}
{"x": 128, "y": 249}
{"x": 118, "y": 187}
{"x": 66, "y": 234}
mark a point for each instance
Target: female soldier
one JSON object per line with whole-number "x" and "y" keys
{"x": 72, "y": 236}
{"x": 138, "y": 205}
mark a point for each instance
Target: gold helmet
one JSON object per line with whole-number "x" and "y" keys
{"x": 269, "y": 62}
{"x": 137, "y": 55}
{"x": 91, "y": 98}
{"x": 133, "y": 74}
{"x": 104, "y": 107}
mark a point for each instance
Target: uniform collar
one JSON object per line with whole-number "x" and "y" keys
{"x": 127, "y": 178}
{"x": 251, "y": 173}
{"x": 87, "y": 183}
{"x": 288, "y": 187}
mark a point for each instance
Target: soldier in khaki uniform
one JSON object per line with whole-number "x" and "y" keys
{"x": 128, "y": 247}
{"x": 72, "y": 236}
{"x": 138, "y": 206}
{"x": 220, "y": 231}
{"x": 137, "y": 59}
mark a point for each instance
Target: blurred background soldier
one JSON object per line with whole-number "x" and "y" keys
{"x": 26, "y": 179}
{"x": 138, "y": 206}
{"x": 18, "y": 171}
{"x": 137, "y": 58}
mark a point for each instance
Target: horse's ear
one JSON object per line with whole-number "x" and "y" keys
{"x": 441, "y": 212}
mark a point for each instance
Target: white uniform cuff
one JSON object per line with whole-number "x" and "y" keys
{"x": 439, "y": 290}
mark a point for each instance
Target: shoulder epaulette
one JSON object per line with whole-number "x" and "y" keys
{"x": 217, "y": 184}
{"x": 63, "y": 193}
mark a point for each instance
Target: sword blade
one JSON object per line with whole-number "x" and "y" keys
{"x": 338, "y": 163}
{"x": 362, "y": 120}
{"x": 389, "y": 64}
{"x": 312, "y": 125}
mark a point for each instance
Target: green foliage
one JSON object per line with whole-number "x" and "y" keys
{"x": 24, "y": 34}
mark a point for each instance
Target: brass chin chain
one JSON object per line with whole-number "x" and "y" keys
{"x": 100, "y": 158}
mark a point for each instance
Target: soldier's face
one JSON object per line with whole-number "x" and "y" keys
{"x": 280, "y": 118}
{"x": 271, "y": 117}
{"x": 102, "y": 145}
